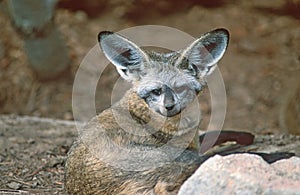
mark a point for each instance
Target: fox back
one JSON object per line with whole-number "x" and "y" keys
{"x": 142, "y": 144}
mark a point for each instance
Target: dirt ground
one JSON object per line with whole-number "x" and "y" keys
{"x": 33, "y": 152}
{"x": 260, "y": 70}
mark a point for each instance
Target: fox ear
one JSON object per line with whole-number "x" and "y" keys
{"x": 125, "y": 55}
{"x": 203, "y": 54}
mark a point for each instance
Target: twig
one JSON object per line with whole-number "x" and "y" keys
{"x": 9, "y": 191}
{"x": 37, "y": 171}
{"x": 21, "y": 182}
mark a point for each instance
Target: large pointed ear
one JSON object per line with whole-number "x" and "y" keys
{"x": 125, "y": 55}
{"x": 201, "y": 56}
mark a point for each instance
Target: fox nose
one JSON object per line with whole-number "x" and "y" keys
{"x": 169, "y": 101}
{"x": 169, "y": 107}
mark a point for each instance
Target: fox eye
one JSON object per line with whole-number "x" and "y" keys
{"x": 156, "y": 92}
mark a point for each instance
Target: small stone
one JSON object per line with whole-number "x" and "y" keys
{"x": 31, "y": 141}
{"x": 14, "y": 185}
{"x": 34, "y": 184}
{"x": 25, "y": 170}
{"x": 55, "y": 162}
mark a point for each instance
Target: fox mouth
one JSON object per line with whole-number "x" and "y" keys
{"x": 169, "y": 113}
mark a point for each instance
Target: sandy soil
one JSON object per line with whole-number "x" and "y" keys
{"x": 260, "y": 70}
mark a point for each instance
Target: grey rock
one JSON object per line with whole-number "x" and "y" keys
{"x": 14, "y": 185}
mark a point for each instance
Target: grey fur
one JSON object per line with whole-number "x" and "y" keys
{"x": 177, "y": 76}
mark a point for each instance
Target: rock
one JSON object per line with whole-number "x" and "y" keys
{"x": 244, "y": 174}
{"x": 14, "y": 185}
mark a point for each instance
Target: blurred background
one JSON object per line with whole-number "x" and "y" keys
{"x": 43, "y": 42}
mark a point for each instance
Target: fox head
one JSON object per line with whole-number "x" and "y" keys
{"x": 168, "y": 82}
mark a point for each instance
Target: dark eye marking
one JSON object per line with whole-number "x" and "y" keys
{"x": 156, "y": 92}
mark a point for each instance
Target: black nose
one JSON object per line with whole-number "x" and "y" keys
{"x": 169, "y": 107}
